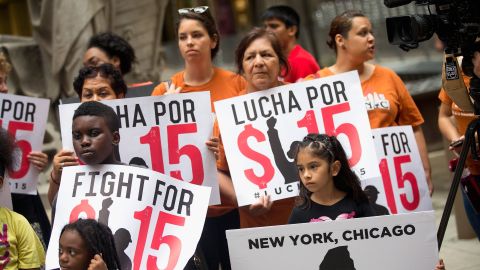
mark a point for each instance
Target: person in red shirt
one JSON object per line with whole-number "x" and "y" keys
{"x": 284, "y": 22}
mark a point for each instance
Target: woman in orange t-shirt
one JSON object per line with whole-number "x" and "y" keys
{"x": 198, "y": 42}
{"x": 386, "y": 97}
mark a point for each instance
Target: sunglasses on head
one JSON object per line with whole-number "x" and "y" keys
{"x": 198, "y": 10}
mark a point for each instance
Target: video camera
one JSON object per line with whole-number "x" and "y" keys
{"x": 456, "y": 22}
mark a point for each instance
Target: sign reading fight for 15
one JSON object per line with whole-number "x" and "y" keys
{"x": 259, "y": 131}
{"x": 156, "y": 220}
{"x": 164, "y": 133}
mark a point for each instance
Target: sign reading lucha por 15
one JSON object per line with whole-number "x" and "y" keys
{"x": 260, "y": 131}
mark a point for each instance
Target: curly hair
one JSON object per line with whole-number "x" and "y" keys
{"x": 7, "y": 147}
{"x": 98, "y": 238}
{"x": 5, "y": 66}
{"x": 329, "y": 148}
{"x": 114, "y": 45}
{"x": 106, "y": 71}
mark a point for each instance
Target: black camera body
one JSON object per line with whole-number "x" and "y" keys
{"x": 456, "y": 22}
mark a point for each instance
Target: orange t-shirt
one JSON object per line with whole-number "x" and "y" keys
{"x": 224, "y": 84}
{"x": 387, "y": 99}
{"x": 463, "y": 119}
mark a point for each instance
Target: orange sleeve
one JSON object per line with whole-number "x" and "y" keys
{"x": 408, "y": 113}
{"x": 159, "y": 90}
{"x": 444, "y": 98}
{"x": 241, "y": 83}
{"x": 222, "y": 159}
{"x": 313, "y": 76}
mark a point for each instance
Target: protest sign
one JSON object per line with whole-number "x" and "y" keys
{"x": 259, "y": 131}
{"x": 164, "y": 133}
{"x": 402, "y": 186}
{"x": 157, "y": 219}
{"x": 25, "y": 118}
{"x": 396, "y": 242}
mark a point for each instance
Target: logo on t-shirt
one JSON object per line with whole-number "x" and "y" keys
{"x": 376, "y": 101}
{"x": 4, "y": 247}
{"x": 339, "y": 217}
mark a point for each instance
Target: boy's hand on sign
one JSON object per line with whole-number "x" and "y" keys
{"x": 62, "y": 159}
{"x": 38, "y": 159}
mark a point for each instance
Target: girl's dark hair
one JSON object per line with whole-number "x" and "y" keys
{"x": 341, "y": 24}
{"x": 106, "y": 71}
{"x": 206, "y": 19}
{"x": 98, "y": 238}
{"x": 7, "y": 147}
{"x": 329, "y": 148}
{"x": 114, "y": 45}
{"x": 249, "y": 38}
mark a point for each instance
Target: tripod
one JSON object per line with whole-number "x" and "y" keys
{"x": 468, "y": 145}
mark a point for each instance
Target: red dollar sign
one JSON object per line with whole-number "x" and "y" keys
{"x": 269, "y": 171}
{"x": 83, "y": 207}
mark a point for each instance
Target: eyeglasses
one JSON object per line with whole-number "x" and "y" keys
{"x": 198, "y": 10}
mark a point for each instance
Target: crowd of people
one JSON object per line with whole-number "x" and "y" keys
{"x": 265, "y": 57}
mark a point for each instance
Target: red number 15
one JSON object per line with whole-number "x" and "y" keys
{"x": 153, "y": 139}
{"x": 173, "y": 242}
{"x": 401, "y": 179}
{"x": 348, "y": 129}
{"x": 25, "y": 147}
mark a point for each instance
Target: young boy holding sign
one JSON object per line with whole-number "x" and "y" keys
{"x": 20, "y": 248}
{"x": 92, "y": 84}
{"x": 95, "y": 134}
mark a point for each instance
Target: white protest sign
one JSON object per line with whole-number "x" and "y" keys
{"x": 163, "y": 217}
{"x": 25, "y": 118}
{"x": 402, "y": 183}
{"x": 396, "y": 242}
{"x": 164, "y": 133}
{"x": 259, "y": 130}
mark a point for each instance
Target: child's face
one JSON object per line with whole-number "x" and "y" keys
{"x": 316, "y": 173}
{"x": 93, "y": 141}
{"x": 73, "y": 252}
